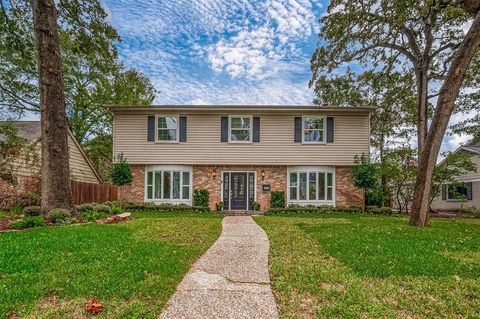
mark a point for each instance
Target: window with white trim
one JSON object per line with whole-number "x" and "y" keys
{"x": 311, "y": 186}
{"x": 168, "y": 185}
{"x": 167, "y": 129}
{"x": 240, "y": 129}
{"x": 459, "y": 191}
{"x": 313, "y": 129}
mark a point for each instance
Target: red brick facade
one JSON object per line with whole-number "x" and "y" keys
{"x": 346, "y": 193}
{"x": 276, "y": 176}
{"x": 136, "y": 191}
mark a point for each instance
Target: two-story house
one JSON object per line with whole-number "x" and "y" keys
{"x": 242, "y": 153}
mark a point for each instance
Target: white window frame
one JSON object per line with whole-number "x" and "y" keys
{"x": 324, "y": 130}
{"x": 307, "y": 170}
{"x": 171, "y": 169}
{"x": 177, "y": 129}
{"x": 230, "y": 129}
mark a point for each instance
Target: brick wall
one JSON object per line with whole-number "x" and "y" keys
{"x": 346, "y": 193}
{"x": 136, "y": 191}
{"x": 276, "y": 176}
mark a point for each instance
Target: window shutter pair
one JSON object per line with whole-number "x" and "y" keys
{"x": 182, "y": 137}
{"x": 298, "y": 129}
{"x": 255, "y": 129}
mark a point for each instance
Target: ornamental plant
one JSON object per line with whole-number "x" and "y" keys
{"x": 121, "y": 173}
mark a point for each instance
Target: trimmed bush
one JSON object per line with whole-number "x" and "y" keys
{"x": 117, "y": 210}
{"x": 381, "y": 211}
{"x": 31, "y": 211}
{"x": 84, "y": 207}
{"x": 165, "y": 208}
{"x": 102, "y": 209}
{"x": 277, "y": 199}
{"x": 256, "y": 206}
{"x": 201, "y": 197}
{"x": 22, "y": 200}
{"x": 121, "y": 173}
{"x": 29, "y": 222}
{"x": 58, "y": 215}
{"x": 302, "y": 210}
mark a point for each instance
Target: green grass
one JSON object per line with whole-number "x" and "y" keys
{"x": 131, "y": 268}
{"x": 354, "y": 266}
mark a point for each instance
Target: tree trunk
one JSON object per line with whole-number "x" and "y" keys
{"x": 56, "y": 189}
{"x": 422, "y": 107}
{"x": 445, "y": 105}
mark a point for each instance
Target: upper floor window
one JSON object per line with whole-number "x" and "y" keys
{"x": 167, "y": 128}
{"x": 313, "y": 129}
{"x": 240, "y": 129}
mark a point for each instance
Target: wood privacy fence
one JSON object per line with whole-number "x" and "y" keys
{"x": 93, "y": 193}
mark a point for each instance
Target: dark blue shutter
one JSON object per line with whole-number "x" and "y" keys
{"x": 469, "y": 191}
{"x": 224, "y": 129}
{"x": 183, "y": 129}
{"x": 256, "y": 130}
{"x": 444, "y": 191}
{"x": 151, "y": 128}
{"x": 330, "y": 129}
{"x": 298, "y": 129}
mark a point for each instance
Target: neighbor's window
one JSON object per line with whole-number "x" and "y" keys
{"x": 313, "y": 129}
{"x": 167, "y": 127}
{"x": 458, "y": 191}
{"x": 240, "y": 129}
{"x": 168, "y": 185}
{"x": 311, "y": 186}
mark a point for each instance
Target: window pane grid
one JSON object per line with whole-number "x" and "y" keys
{"x": 310, "y": 186}
{"x": 240, "y": 129}
{"x": 167, "y": 128}
{"x": 168, "y": 185}
{"x": 313, "y": 129}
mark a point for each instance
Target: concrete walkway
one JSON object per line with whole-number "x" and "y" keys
{"x": 230, "y": 280}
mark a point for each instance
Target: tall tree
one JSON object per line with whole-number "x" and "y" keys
{"x": 56, "y": 190}
{"x": 424, "y": 38}
{"x": 92, "y": 72}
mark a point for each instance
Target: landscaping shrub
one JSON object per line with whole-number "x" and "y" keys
{"x": 92, "y": 216}
{"x": 31, "y": 211}
{"x": 295, "y": 209}
{"x": 16, "y": 209}
{"x": 102, "y": 209}
{"x": 201, "y": 197}
{"x": 165, "y": 208}
{"x": 28, "y": 222}
{"x": 117, "y": 210}
{"x": 84, "y": 207}
{"x": 277, "y": 199}
{"x": 58, "y": 215}
{"x": 256, "y": 206}
{"x": 121, "y": 173}
{"x": 22, "y": 200}
{"x": 470, "y": 210}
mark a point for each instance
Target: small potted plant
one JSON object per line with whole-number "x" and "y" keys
{"x": 256, "y": 206}
{"x": 220, "y": 206}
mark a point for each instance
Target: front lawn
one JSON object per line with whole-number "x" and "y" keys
{"x": 130, "y": 268}
{"x": 356, "y": 266}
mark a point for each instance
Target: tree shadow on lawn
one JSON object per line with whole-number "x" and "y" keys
{"x": 384, "y": 246}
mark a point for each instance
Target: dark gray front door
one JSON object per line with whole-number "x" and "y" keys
{"x": 239, "y": 190}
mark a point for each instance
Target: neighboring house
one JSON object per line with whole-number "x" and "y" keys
{"x": 468, "y": 189}
{"x": 242, "y": 153}
{"x": 27, "y": 168}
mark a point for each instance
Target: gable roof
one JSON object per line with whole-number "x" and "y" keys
{"x": 32, "y": 131}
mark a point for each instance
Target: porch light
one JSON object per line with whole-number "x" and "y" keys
{"x": 214, "y": 174}
{"x": 263, "y": 174}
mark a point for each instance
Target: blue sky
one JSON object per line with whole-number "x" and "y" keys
{"x": 220, "y": 52}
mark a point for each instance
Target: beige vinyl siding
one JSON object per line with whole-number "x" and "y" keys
{"x": 472, "y": 176}
{"x": 276, "y": 145}
{"x": 80, "y": 170}
{"x": 451, "y": 205}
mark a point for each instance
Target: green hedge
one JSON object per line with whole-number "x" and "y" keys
{"x": 165, "y": 208}
{"x": 310, "y": 209}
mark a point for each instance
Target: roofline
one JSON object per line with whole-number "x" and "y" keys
{"x": 114, "y": 108}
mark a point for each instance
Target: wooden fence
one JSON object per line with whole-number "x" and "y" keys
{"x": 93, "y": 193}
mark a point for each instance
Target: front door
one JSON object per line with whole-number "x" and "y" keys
{"x": 239, "y": 190}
